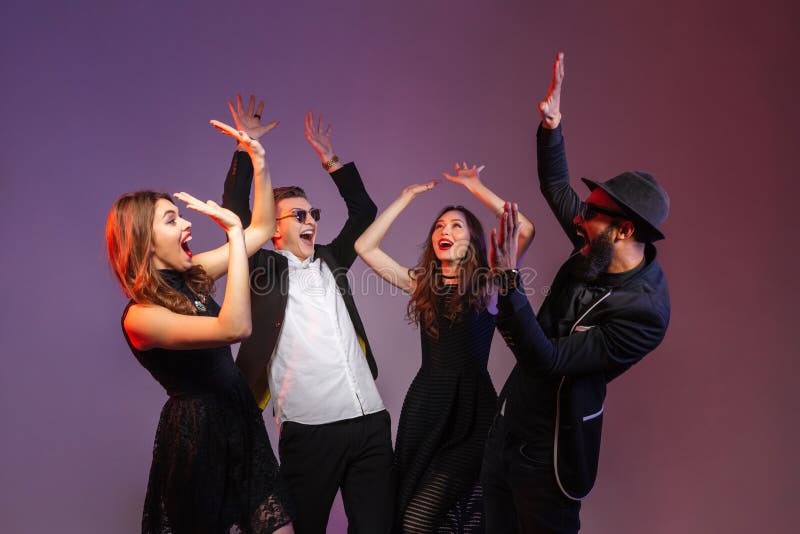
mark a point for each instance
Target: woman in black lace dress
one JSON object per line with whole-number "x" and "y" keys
{"x": 213, "y": 468}
{"x": 451, "y": 402}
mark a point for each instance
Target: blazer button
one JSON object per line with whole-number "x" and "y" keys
{"x": 277, "y": 324}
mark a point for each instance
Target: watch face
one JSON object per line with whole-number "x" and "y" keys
{"x": 511, "y": 278}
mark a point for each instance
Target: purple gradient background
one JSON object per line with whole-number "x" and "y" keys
{"x": 104, "y": 97}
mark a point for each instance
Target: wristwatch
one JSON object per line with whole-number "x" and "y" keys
{"x": 508, "y": 280}
{"x": 330, "y": 163}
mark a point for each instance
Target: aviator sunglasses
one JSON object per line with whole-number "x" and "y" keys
{"x": 590, "y": 211}
{"x": 300, "y": 215}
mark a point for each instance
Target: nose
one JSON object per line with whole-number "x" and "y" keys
{"x": 186, "y": 224}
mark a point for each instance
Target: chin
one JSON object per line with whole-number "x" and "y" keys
{"x": 302, "y": 252}
{"x": 186, "y": 263}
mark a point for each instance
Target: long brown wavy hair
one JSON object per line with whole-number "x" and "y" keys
{"x": 473, "y": 278}
{"x": 129, "y": 237}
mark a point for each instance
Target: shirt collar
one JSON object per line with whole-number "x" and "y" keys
{"x": 294, "y": 261}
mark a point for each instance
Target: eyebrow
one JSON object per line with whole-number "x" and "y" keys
{"x": 169, "y": 212}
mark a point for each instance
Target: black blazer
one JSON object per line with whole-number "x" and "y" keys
{"x": 269, "y": 274}
{"x": 606, "y": 337}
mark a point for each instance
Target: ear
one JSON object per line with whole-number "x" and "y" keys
{"x": 625, "y": 230}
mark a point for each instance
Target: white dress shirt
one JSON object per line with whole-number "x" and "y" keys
{"x": 318, "y": 372}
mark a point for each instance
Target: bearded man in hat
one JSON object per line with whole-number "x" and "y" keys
{"x": 607, "y": 308}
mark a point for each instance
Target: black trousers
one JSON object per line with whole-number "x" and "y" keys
{"x": 354, "y": 455}
{"x": 520, "y": 491}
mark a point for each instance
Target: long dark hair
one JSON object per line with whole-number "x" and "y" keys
{"x": 129, "y": 237}
{"x": 473, "y": 278}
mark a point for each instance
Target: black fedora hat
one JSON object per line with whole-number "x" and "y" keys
{"x": 638, "y": 193}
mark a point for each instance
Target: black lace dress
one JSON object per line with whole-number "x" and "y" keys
{"x": 213, "y": 467}
{"x": 443, "y": 426}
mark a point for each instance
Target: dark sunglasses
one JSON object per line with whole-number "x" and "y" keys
{"x": 590, "y": 211}
{"x": 301, "y": 215}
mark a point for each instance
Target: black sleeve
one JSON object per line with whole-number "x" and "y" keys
{"x": 361, "y": 211}
{"x": 615, "y": 344}
{"x": 236, "y": 194}
{"x": 554, "y": 179}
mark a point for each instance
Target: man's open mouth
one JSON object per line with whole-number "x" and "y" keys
{"x": 584, "y": 244}
{"x": 307, "y": 237}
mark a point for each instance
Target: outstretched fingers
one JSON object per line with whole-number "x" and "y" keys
{"x": 188, "y": 199}
{"x": 312, "y": 131}
{"x": 234, "y": 115}
{"x": 251, "y": 105}
{"x": 242, "y": 136}
{"x": 225, "y": 218}
{"x": 239, "y": 106}
{"x": 430, "y": 185}
{"x": 416, "y": 189}
{"x": 270, "y": 125}
{"x": 239, "y": 135}
{"x": 464, "y": 174}
{"x": 196, "y": 204}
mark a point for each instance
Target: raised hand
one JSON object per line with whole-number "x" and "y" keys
{"x": 223, "y": 217}
{"x": 249, "y": 120}
{"x": 415, "y": 189}
{"x": 465, "y": 175}
{"x": 250, "y": 144}
{"x": 550, "y": 107}
{"x": 503, "y": 249}
{"x": 319, "y": 137}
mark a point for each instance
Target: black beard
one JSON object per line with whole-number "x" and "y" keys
{"x": 597, "y": 260}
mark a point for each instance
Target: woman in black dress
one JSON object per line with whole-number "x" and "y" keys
{"x": 213, "y": 468}
{"x": 451, "y": 402}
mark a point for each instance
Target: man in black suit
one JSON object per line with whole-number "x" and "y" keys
{"x": 607, "y": 308}
{"x": 309, "y": 347}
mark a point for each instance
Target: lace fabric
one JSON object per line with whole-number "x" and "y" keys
{"x": 213, "y": 468}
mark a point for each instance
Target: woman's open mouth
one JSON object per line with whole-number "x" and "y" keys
{"x": 445, "y": 244}
{"x": 185, "y": 245}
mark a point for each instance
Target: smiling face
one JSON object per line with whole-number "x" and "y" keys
{"x": 450, "y": 237}
{"x": 171, "y": 236}
{"x": 292, "y": 235}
